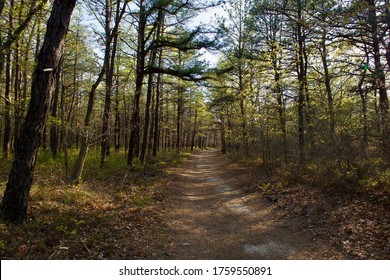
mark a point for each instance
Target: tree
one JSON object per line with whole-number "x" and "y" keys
{"x": 183, "y": 39}
{"x": 107, "y": 60}
{"x": 15, "y": 200}
{"x": 238, "y": 40}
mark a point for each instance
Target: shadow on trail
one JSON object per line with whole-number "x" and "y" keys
{"x": 210, "y": 217}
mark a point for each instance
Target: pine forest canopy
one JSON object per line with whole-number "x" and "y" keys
{"x": 295, "y": 82}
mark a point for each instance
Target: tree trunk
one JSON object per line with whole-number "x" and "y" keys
{"x": 380, "y": 78}
{"x": 8, "y": 91}
{"x": 194, "y": 130}
{"x": 157, "y": 109}
{"x": 328, "y": 87}
{"x": 140, "y": 72}
{"x": 79, "y": 165}
{"x": 15, "y": 200}
{"x": 110, "y": 54}
{"x": 54, "y": 108}
{"x": 150, "y": 88}
{"x": 223, "y": 136}
{"x": 301, "y": 86}
{"x": 7, "y": 107}
{"x": 147, "y": 111}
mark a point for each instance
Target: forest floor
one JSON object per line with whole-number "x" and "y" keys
{"x": 211, "y": 217}
{"x": 224, "y": 210}
{"x": 205, "y": 207}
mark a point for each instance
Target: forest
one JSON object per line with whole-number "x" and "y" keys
{"x": 107, "y": 105}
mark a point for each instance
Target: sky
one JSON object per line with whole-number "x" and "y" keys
{"x": 206, "y": 17}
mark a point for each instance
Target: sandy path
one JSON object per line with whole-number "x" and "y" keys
{"x": 211, "y": 218}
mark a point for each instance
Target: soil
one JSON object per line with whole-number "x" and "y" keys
{"x": 212, "y": 216}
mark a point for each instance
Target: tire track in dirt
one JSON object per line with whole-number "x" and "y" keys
{"x": 210, "y": 217}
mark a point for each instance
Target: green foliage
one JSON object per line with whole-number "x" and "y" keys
{"x": 141, "y": 201}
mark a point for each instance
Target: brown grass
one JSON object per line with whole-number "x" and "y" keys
{"x": 111, "y": 215}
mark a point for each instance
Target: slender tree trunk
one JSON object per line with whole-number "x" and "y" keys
{"x": 301, "y": 86}
{"x": 84, "y": 145}
{"x": 179, "y": 116}
{"x": 279, "y": 97}
{"x": 147, "y": 112}
{"x": 331, "y": 116}
{"x": 117, "y": 123}
{"x": 85, "y": 138}
{"x": 194, "y": 130}
{"x": 223, "y": 136}
{"x": 7, "y": 107}
{"x": 15, "y": 200}
{"x": 380, "y": 79}
{"x": 243, "y": 111}
{"x": 150, "y": 87}
{"x": 363, "y": 96}
{"x": 110, "y": 54}
{"x": 157, "y": 109}
{"x": 8, "y": 91}
{"x": 140, "y": 72}
{"x": 54, "y": 108}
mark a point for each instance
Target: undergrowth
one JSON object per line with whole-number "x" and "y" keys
{"x": 345, "y": 202}
{"x": 109, "y": 215}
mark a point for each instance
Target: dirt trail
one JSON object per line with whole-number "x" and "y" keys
{"x": 210, "y": 216}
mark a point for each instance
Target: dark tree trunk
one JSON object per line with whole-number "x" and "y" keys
{"x": 54, "y": 108}
{"x": 150, "y": 89}
{"x": 140, "y": 72}
{"x": 194, "y": 130}
{"x": 279, "y": 97}
{"x": 8, "y": 92}
{"x": 7, "y": 107}
{"x": 147, "y": 112}
{"x": 301, "y": 89}
{"x": 117, "y": 124}
{"x": 380, "y": 78}
{"x": 180, "y": 110}
{"x": 80, "y": 161}
{"x": 157, "y": 109}
{"x": 363, "y": 96}
{"x": 223, "y": 136}
{"x": 79, "y": 165}
{"x": 331, "y": 116}
{"x": 110, "y": 53}
{"x": 15, "y": 200}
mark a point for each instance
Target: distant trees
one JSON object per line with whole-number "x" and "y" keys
{"x": 325, "y": 60}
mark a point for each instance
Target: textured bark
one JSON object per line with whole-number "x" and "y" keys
{"x": 15, "y": 200}
{"x": 156, "y": 137}
{"x": 380, "y": 78}
{"x": 140, "y": 73}
{"x": 110, "y": 54}
{"x": 301, "y": 87}
{"x": 331, "y": 116}
{"x": 8, "y": 92}
{"x": 150, "y": 88}
{"x": 54, "y": 113}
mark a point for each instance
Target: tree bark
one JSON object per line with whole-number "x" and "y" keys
{"x": 156, "y": 136}
{"x": 380, "y": 78}
{"x": 8, "y": 92}
{"x": 140, "y": 72}
{"x": 301, "y": 86}
{"x": 331, "y": 116}
{"x": 15, "y": 200}
{"x": 54, "y": 109}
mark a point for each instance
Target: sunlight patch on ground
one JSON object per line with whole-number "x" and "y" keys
{"x": 268, "y": 248}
